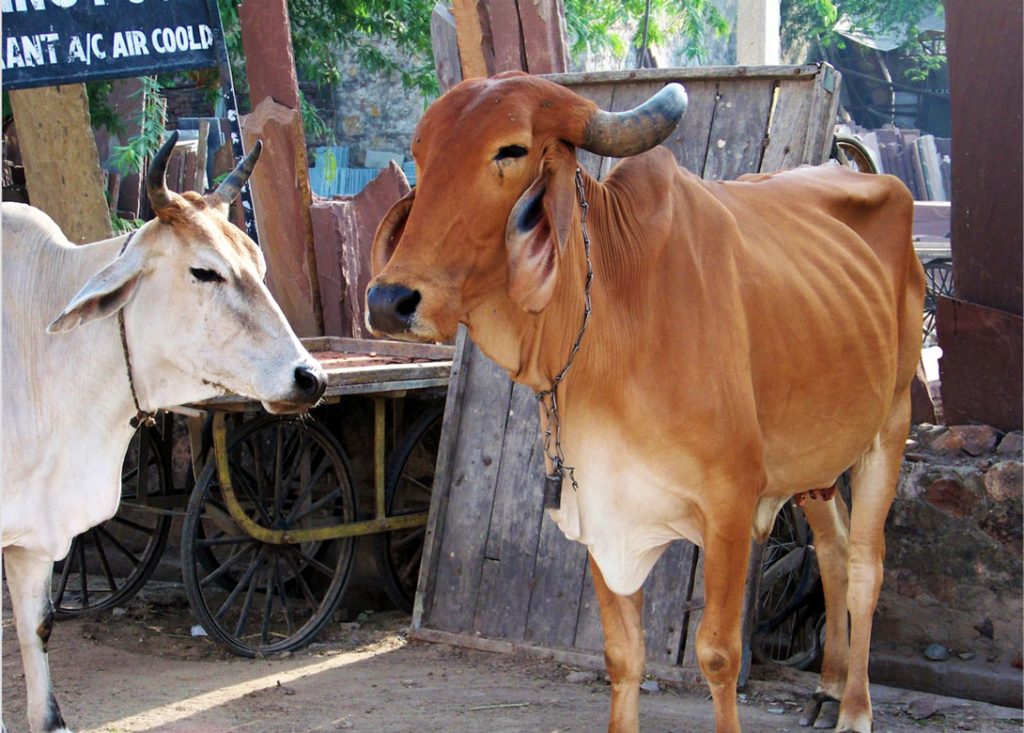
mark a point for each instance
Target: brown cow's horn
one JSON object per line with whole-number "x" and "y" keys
{"x": 621, "y": 134}
{"x": 156, "y": 182}
{"x": 230, "y": 186}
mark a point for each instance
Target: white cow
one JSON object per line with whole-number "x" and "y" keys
{"x": 194, "y": 320}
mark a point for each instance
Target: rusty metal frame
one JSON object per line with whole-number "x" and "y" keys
{"x": 380, "y": 523}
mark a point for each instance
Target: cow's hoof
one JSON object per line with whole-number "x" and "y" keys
{"x": 821, "y": 711}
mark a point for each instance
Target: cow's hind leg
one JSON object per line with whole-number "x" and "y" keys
{"x": 28, "y": 579}
{"x": 873, "y": 486}
{"x": 622, "y": 623}
{"x": 830, "y": 522}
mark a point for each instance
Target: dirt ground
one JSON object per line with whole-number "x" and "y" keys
{"x": 140, "y": 669}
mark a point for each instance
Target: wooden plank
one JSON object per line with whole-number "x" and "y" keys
{"x": 516, "y": 517}
{"x": 821, "y": 122}
{"x": 689, "y": 142}
{"x": 693, "y": 611}
{"x": 383, "y": 347}
{"x": 665, "y": 594}
{"x": 716, "y": 73}
{"x": 439, "y": 499}
{"x": 471, "y": 493}
{"x": 589, "y": 634}
{"x": 557, "y": 588}
{"x": 62, "y": 170}
{"x": 387, "y": 373}
{"x": 787, "y": 130}
{"x": 738, "y": 130}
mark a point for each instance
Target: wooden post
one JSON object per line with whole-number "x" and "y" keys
{"x": 280, "y": 183}
{"x": 62, "y": 169}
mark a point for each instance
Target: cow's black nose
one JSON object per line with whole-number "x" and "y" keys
{"x": 310, "y": 383}
{"x": 391, "y": 307}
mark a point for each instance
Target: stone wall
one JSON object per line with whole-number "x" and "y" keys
{"x": 373, "y": 111}
{"x": 954, "y": 553}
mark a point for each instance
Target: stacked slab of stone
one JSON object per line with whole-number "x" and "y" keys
{"x": 953, "y": 560}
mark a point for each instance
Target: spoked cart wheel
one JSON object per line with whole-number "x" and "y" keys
{"x": 791, "y": 619}
{"x": 409, "y": 483}
{"x": 257, "y": 597}
{"x": 109, "y": 563}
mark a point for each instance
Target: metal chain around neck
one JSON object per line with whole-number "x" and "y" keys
{"x": 142, "y": 417}
{"x": 549, "y": 397}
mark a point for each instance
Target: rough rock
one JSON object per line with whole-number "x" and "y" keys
{"x": 1012, "y": 444}
{"x": 951, "y": 497}
{"x": 936, "y": 652}
{"x": 1005, "y": 481}
{"x": 921, "y": 708}
{"x": 947, "y": 442}
{"x": 650, "y": 686}
{"x": 977, "y": 439}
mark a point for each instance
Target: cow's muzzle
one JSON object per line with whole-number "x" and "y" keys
{"x": 391, "y": 308}
{"x": 310, "y": 383}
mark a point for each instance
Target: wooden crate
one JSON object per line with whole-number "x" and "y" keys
{"x": 497, "y": 573}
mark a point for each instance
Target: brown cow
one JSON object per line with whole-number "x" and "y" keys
{"x": 749, "y": 341}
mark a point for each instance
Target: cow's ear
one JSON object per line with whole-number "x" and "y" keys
{"x": 389, "y": 232}
{"x": 105, "y": 294}
{"x": 536, "y": 234}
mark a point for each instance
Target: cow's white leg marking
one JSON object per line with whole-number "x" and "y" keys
{"x": 28, "y": 579}
{"x": 873, "y": 486}
{"x": 830, "y": 522}
{"x": 622, "y": 623}
{"x": 718, "y": 638}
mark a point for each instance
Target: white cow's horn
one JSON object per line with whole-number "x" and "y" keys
{"x": 621, "y": 134}
{"x": 156, "y": 179}
{"x": 230, "y": 186}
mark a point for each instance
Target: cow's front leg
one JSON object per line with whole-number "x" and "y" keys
{"x": 622, "y": 623}
{"x": 28, "y": 579}
{"x": 718, "y": 638}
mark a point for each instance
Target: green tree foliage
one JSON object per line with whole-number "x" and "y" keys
{"x": 322, "y": 28}
{"x": 813, "y": 21}
{"x": 599, "y": 24}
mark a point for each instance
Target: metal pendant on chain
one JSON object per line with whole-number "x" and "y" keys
{"x": 549, "y": 397}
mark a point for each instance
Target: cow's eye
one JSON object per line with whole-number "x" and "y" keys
{"x": 511, "y": 151}
{"x": 205, "y": 276}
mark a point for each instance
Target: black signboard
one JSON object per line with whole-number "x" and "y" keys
{"x": 50, "y": 42}
{"x": 47, "y": 42}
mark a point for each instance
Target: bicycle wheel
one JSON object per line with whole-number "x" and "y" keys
{"x": 109, "y": 563}
{"x": 938, "y": 274}
{"x": 791, "y": 613}
{"x": 409, "y": 485}
{"x": 852, "y": 153}
{"x": 260, "y": 598}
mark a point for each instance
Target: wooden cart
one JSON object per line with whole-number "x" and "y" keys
{"x": 269, "y": 528}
